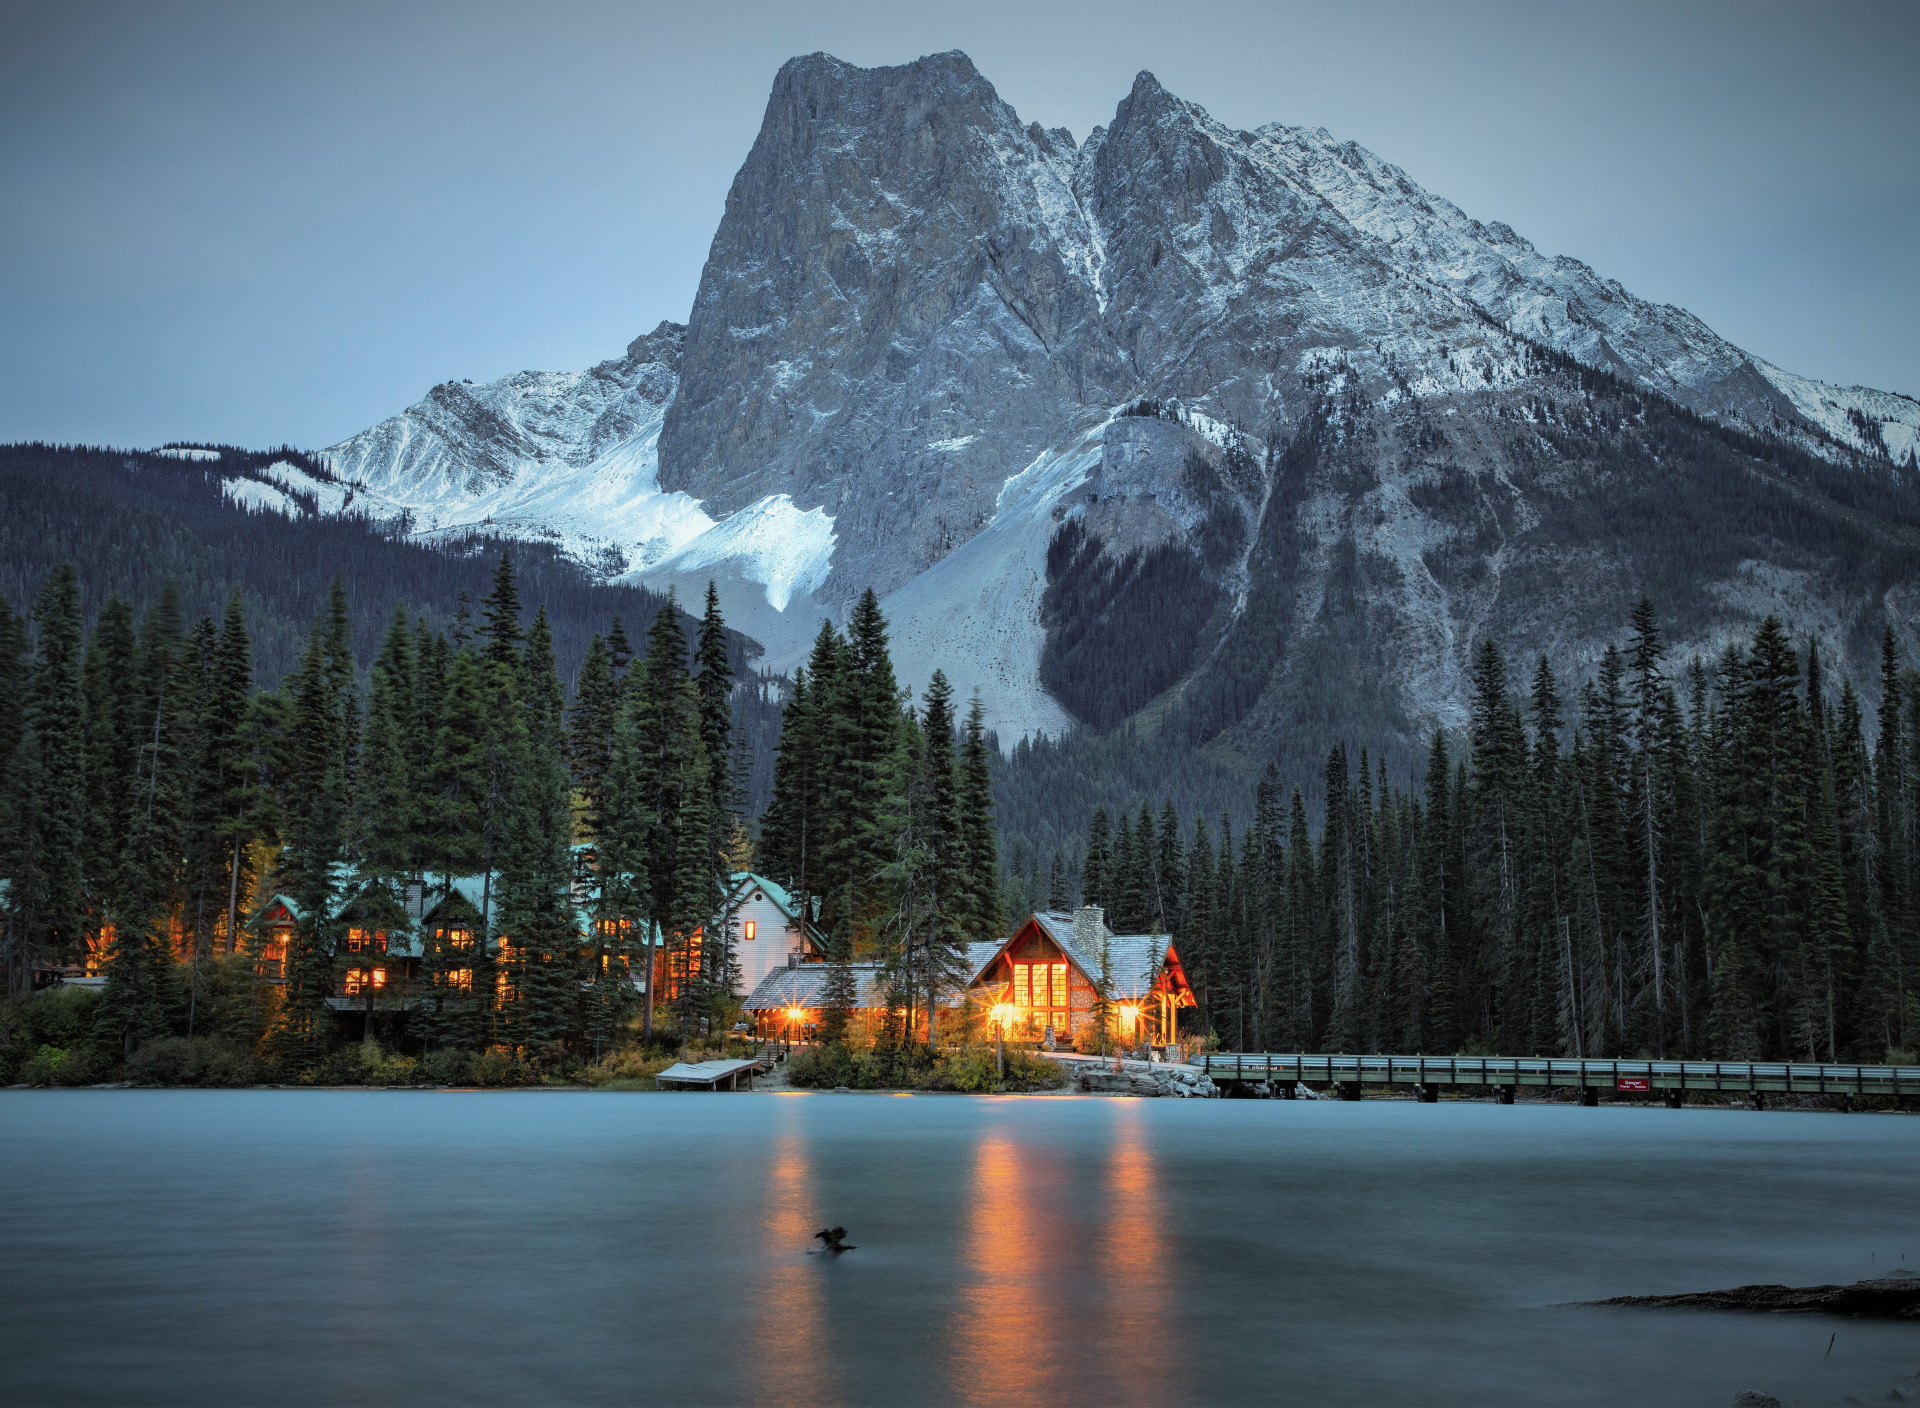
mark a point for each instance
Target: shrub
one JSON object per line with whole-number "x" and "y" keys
{"x": 175, "y": 1060}
{"x": 445, "y": 1067}
{"x": 60, "y": 1017}
{"x": 42, "y": 1067}
{"x": 831, "y": 1065}
{"x": 630, "y": 1068}
{"x": 498, "y": 1066}
{"x": 970, "y": 1068}
{"x": 1026, "y": 1071}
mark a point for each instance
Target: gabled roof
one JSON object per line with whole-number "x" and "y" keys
{"x": 806, "y": 986}
{"x": 980, "y": 955}
{"x": 782, "y": 898}
{"x": 1134, "y": 961}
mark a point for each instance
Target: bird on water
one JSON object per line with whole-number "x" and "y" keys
{"x": 835, "y": 1239}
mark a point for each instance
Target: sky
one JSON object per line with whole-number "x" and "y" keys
{"x": 280, "y": 223}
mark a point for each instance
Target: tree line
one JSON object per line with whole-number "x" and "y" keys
{"x": 150, "y": 791}
{"x": 1715, "y": 861}
{"x": 151, "y": 796}
{"x": 881, "y": 823}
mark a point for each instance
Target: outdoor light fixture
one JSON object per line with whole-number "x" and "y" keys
{"x": 1002, "y": 1019}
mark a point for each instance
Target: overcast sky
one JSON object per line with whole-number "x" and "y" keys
{"x": 258, "y": 223}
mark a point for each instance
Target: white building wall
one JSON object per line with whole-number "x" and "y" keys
{"x": 774, "y": 937}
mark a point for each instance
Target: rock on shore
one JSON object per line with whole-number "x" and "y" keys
{"x": 1144, "y": 1078}
{"x": 1879, "y": 1298}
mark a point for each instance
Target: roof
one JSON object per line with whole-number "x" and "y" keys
{"x": 782, "y": 898}
{"x": 980, "y": 955}
{"x": 806, "y": 985}
{"x": 1134, "y": 961}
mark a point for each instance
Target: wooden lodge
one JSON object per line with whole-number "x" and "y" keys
{"x": 380, "y": 960}
{"x": 1043, "y": 981}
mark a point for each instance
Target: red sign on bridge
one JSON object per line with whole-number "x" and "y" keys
{"x": 1633, "y": 1083}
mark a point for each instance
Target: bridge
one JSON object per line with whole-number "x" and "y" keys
{"x": 1506, "y": 1074}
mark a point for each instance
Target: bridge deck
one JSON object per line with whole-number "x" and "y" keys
{"x": 1749, "y": 1076}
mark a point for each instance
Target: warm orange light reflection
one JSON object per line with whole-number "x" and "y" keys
{"x": 1003, "y": 1014}
{"x": 1004, "y": 1351}
{"x": 788, "y": 1361}
{"x": 1133, "y": 1269}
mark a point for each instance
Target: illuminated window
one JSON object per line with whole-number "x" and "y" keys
{"x": 357, "y": 940}
{"x": 747, "y": 930}
{"x": 1022, "y": 990}
{"x": 460, "y": 979}
{"x": 459, "y": 938}
{"x": 379, "y": 977}
{"x": 1060, "y": 997}
{"x": 355, "y": 976}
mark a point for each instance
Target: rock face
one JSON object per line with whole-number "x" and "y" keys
{"x": 897, "y": 306}
{"x": 1241, "y": 410}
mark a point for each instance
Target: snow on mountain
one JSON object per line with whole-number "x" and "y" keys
{"x": 780, "y": 547}
{"x": 976, "y": 613}
{"x": 917, "y": 316}
{"x": 256, "y": 497}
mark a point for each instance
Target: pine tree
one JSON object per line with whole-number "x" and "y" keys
{"x": 1094, "y": 881}
{"x": 983, "y": 916}
{"x": 536, "y": 912}
{"x": 46, "y": 900}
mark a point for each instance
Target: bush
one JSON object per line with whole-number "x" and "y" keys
{"x": 42, "y": 1067}
{"x": 446, "y": 1067}
{"x": 498, "y": 1066}
{"x": 61, "y": 1018}
{"x": 970, "y": 1068}
{"x": 832, "y": 1065}
{"x": 175, "y": 1060}
{"x": 1026, "y": 1071}
{"x": 630, "y": 1068}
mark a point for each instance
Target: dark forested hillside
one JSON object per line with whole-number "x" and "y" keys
{"x": 129, "y": 520}
{"x": 1667, "y": 858}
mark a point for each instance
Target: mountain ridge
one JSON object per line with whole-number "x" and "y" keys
{"x": 920, "y": 320}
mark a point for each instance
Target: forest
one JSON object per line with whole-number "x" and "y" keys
{"x": 151, "y": 796}
{"x": 1717, "y": 861}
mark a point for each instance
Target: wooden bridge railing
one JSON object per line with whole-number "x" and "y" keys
{"x": 1736, "y": 1076}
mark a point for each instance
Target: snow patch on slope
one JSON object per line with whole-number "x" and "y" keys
{"x": 976, "y": 613}
{"x": 785, "y": 549}
{"x": 1842, "y": 411}
{"x": 255, "y": 497}
{"x": 330, "y": 498}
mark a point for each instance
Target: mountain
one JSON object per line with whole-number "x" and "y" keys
{"x": 1237, "y": 437}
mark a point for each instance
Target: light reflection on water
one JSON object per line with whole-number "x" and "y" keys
{"x": 253, "y": 1247}
{"x": 1001, "y": 1349}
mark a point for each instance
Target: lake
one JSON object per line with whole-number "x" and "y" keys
{"x": 517, "y": 1248}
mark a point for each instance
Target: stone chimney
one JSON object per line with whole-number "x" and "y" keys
{"x": 1089, "y": 928}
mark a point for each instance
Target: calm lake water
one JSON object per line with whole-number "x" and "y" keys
{"x": 287, "y": 1247}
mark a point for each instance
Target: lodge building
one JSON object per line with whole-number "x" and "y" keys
{"x": 379, "y": 967}
{"x": 1043, "y": 981}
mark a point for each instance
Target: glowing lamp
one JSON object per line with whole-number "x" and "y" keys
{"x": 794, "y": 1014}
{"x": 1129, "y": 1014}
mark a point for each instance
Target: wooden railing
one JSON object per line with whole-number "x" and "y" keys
{"x": 1731, "y": 1076}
